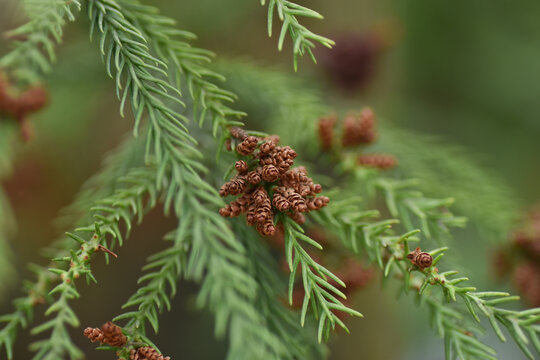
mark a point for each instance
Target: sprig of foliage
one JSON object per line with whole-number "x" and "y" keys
{"x": 389, "y": 252}
{"x": 246, "y": 322}
{"x": 292, "y": 108}
{"x": 163, "y": 272}
{"x": 123, "y": 206}
{"x": 279, "y": 99}
{"x": 116, "y": 163}
{"x": 523, "y": 326}
{"x": 23, "y": 305}
{"x": 213, "y": 243}
{"x": 300, "y": 341}
{"x": 32, "y": 57}
{"x": 140, "y": 77}
{"x": 212, "y": 254}
{"x": 186, "y": 62}
{"x": 286, "y": 105}
{"x": 319, "y": 292}
{"x": 36, "y": 293}
{"x": 100, "y": 186}
{"x": 446, "y": 168}
{"x": 219, "y": 262}
{"x": 405, "y": 202}
{"x": 303, "y": 39}
{"x": 214, "y": 251}
{"x": 205, "y": 250}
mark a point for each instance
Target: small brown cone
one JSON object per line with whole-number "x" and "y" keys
{"x": 147, "y": 353}
{"x": 94, "y": 334}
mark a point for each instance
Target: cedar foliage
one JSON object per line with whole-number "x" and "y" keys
{"x": 183, "y": 117}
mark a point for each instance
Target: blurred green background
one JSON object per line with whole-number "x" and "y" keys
{"x": 466, "y": 71}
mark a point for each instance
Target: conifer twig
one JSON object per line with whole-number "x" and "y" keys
{"x": 451, "y": 323}
{"x": 204, "y": 250}
{"x": 319, "y": 292}
{"x": 100, "y": 186}
{"x": 275, "y": 98}
{"x": 124, "y": 205}
{"x": 405, "y": 202}
{"x": 188, "y": 63}
{"x": 172, "y": 146}
{"x": 303, "y": 39}
{"x": 163, "y": 272}
{"x": 300, "y": 341}
{"x": 31, "y": 58}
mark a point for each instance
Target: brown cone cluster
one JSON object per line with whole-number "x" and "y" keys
{"x": 379, "y": 161}
{"x": 357, "y": 129}
{"x": 112, "y": 335}
{"x": 420, "y": 259}
{"x": 146, "y": 353}
{"x": 109, "y": 333}
{"x": 21, "y": 105}
{"x": 521, "y": 259}
{"x": 326, "y": 131}
{"x": 267, "y": 183}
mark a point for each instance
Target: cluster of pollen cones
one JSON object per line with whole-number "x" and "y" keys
{"x": 356, "y": 129}
{"x": 109, "y": 334}
{"x": 112, "y": 335}
{"x": 266, "y": 184}
{"x": 146, "y": 353}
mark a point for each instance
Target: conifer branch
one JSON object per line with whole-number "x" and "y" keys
{"x": 32, "y": 57}
{"x": 140, "y": 77}
{"x": 278, "y": 99}
{"x": 218, "y": 261}
{"x": 230, "y": 292}
{"x": 215, "y": 251}
{"x": 212, "y": 256}
{"x": 300, "y": 341}
{"x": 185, "y": 61}
{"x": 287, "y": 105}
{"x": 446, "y": 168}
{"x": 36, "y": 293}
{"x": 100, "y": 186}
{"x": 409, "y": 205}
{"x": 451, "y": 323}
{"x": 303, "y": 39}
{"x": 123, "y": 206}
{"x": 204, "y": 248}
{"x": 163, "y": 272}
{"x": 319, "y": 292}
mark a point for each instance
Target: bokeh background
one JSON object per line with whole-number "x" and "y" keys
{"x": 465, "y": 71}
